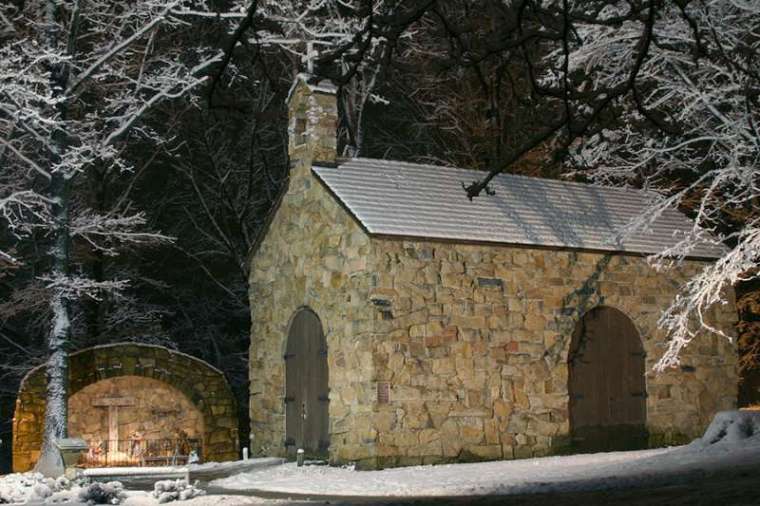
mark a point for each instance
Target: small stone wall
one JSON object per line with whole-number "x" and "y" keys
{"x": 202, "y": 385}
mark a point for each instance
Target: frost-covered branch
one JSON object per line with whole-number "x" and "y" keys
{"x": 24, "y": 208}
{"x": 686, "y": 317}
{"x": 108, "y": 233}
{"x": 103, "y": 59}
{"x": 77, "y": 287}
{"x": 701, "y": 156}
{"x": 28, "y": 161}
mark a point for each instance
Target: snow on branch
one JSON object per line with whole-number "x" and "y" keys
{"x": 103, "y": 59}
{"x": 21, "y": 211}
{"x": 686, "y": 317}
{"x": 28, "y": 161}
{"x": 78, "y": 287}
{"x": 24, "y": 209}
{"x": 686, "y": 130}
{"x": 105, "y": 233}
{"x": 178, "y": 86}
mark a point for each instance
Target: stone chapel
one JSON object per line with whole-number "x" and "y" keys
{"x": 396, "y": 322}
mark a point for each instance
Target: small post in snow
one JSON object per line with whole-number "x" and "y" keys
{"x": 299, "y": 457}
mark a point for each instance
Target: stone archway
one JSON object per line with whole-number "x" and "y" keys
{"x": 203, "y": 386}
{"x": 606, "y": 383}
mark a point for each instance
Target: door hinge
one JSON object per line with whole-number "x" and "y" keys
{"x": 639, "y": 394}
{"x": 289, "y": 441}
{"x": 323, "y": 398}
{"x": 288, "y": 356}
{"x": 288, "y": 399}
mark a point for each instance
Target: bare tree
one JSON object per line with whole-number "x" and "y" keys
{"x": 76, "y": 82}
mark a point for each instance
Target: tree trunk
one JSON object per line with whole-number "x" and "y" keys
{"x": 50, "y": 462}
{"x": 57, "y": 369}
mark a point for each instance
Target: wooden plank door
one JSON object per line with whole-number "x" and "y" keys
{"x": 606, "y": 383}
{"x": 295, "y": 366}
{"x": 306, "y": 387}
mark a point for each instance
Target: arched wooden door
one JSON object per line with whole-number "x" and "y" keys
{"x": 307, "y": 419}
{"x": 606, "y": 383}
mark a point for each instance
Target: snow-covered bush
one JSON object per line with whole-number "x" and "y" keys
{"x": 730, "y": 429}
{"x": 29, "y": 487}
{"x": 103, "y": 493}
{"x": 175, "y": 490}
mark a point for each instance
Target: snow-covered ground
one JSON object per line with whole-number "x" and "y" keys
{"x": 33, "y": 488}
{"x": 733, "y": 441}
{"x": 730, "y": 445}
{"x": 144, "y": 499}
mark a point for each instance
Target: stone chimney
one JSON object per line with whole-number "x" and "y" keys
{"x": 312, "y": 122}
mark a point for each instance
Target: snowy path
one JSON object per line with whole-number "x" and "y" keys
{"x": 602, "y": 471}
{"x": 486, "y": 478}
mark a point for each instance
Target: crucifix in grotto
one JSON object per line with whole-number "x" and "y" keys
{"x": 113, "y": 404}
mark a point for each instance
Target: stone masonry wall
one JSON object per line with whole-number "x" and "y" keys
{"x": 200, "y": 383}
{"x": 315, "y": 255}
{"x": 472, "y": 343}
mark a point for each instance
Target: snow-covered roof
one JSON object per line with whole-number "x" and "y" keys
{"x": 393, "y": 198}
